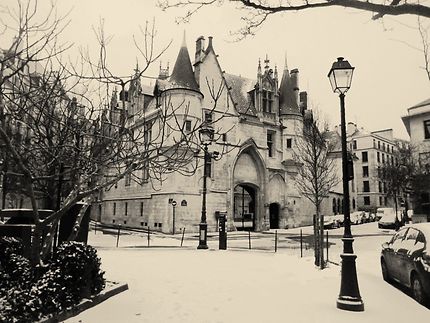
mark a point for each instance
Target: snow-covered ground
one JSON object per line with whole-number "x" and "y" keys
{"x": 189, "y": 285}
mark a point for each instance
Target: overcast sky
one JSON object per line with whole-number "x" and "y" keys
{"x": 388, "y": 76}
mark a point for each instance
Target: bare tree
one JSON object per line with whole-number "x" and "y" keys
{"x": 317, "y": 172}
{"x": 257, "y": 11}
{"x": 51, "y": 129}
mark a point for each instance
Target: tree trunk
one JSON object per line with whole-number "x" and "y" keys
{"x": 316, "y": 240}
{"x": 36, "y": 244}
{"x": 321, "y": 244}
{"x": 78, "y": 221}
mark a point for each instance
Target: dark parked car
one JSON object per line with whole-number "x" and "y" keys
{"x": 406, "y": 259}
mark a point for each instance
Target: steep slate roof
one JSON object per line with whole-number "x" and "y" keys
{"x": 183, "y": 75}
{"x": 287, "y": 101}
{"x": 239, "y": 88}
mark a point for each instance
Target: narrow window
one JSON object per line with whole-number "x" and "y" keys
{"x": 366, "y": 200}
{"x": 289, "y": 142}
{"x": 354, "y": 144}
{"x": 378, "y": 156}
{"x": 380, "y": 200}
{"x": 126, "y": 209}
{"x": 208, "y": 116}
{"x": 364, "y": 156}
{"x": 427, "y": 129}
{"x": 270, "y": 144}
{"x": 379, "y": 145}
{"x": 114, "y": 208}
{"x": 366, "y": 186}
{"x": 127, "y": 179}
{"x": 187, "y": 125}
{"x": 365, "y": 171}
{"x": 141, "y": 208}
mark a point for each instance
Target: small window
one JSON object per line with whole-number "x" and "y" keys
{"x": 126, "y": 208}
{"x": 354, "y": 144}
{"x": 366, "y": 186}
{"x": 374, "y": 143}
{"x": 378, "y": 156}
{"x": 127, "y": 179}
{"x": 365, "y": 171}
{"x": 289, "y": 143}
{"x": 380, "y": 188}
{"x": 160, "y": 225}
{"x": 125, "y": 222}
{"x": 141, "y": 208}
{"x": 379, "y": 145}
{"x": 427, "y": 129}
{"x": 208, "y": 117}
{"x": 366, "y": 200}
{"x": 383, "y": 146}
{"x": 113, "y": 221}
{"x": 188, "y": 125}
{"x": 270, "y": 144}
{"x": 364, "y": 157}
{"x": 155, "y": 224}
{"x": 224, "y": 137}
{"x": 380, "y": 200}
{"x": 385, "y": 201}
{"x": 141, "y": 224}
{"x": 383, "y": 158}
{"x": 114, "y": 208}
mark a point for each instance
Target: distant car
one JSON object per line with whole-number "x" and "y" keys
{"x": 365, "y": 218}
{"x": 356, "y": 217}
{"x": 388, "y": 221}
{"x": 383, "y": 210}
{"x": 340, "y": 218}
{"x": 406, "y": 259}
{"x": 330, "y": 222}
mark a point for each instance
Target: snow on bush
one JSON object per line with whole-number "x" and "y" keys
{"x": 27, "y": 294}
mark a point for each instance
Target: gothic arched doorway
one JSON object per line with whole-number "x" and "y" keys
{"x": 244, "y": 207}
{"x": 274, "y": 215}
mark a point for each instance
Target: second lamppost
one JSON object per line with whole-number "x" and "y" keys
{"x": 340, "y": 77}
{"x": 206, "y": 135}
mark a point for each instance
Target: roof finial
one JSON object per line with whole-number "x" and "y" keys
{"x": 286, "y": 61}
{"x": 136, "y": 70}
{"x": 259, "y": 67}
{"x": 266, "y": 62}
{"x": 184, "y": 42}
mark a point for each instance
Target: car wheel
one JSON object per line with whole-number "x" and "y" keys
{"x": 418, "y": 290}
{"x": 385, "y": 273}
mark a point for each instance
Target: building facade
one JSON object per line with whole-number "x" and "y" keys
{"x": 253, "y": 182}
{"x": 371, "y": 150}
{"x": 417, "y": 123}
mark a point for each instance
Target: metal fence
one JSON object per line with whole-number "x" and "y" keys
{"x": 120, "y": 236}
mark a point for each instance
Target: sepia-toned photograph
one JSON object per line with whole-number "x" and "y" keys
{"x": 214, "y": 161}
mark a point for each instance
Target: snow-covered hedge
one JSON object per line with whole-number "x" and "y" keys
{"x": 27, "y": 294}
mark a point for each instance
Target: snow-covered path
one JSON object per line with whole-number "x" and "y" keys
{"x": 187, "y": 285}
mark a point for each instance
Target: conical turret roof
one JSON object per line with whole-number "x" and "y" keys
{"x": 287, "y": 100}
{"x": 183, "y": 75}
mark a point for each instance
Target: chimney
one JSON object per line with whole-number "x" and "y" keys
{"x": 294, "y": 74}
{"x": 200, "y": 47}
{"x": 303, "y": 101}
{"x": 351, "y": 128}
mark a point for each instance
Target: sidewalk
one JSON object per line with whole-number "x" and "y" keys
{"x": 207, "y": 286}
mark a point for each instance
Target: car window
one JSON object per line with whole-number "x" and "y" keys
{"x": 412, "y": 234}
{"x": 421, "y": 238}
{"x": 398, "y": 237}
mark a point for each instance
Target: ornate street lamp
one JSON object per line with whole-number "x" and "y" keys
{"x": 340, "y": 77}
{"x": 206, "y": 135}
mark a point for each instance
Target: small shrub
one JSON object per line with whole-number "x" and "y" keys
{"x": 80, "y": 269}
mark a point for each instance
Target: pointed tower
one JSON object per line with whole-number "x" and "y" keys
{"x": 183, "y": 74}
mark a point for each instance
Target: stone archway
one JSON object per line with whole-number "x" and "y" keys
{"x": 249, "y": 178}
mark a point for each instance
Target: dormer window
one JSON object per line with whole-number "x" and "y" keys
{"x": 267, "y": 101}
{"x": 209, "y": 116}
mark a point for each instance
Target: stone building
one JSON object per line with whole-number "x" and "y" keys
{"x": 371, "y": 150}
{"x": 254, "y": 182}
{"x": 417, "y": 123}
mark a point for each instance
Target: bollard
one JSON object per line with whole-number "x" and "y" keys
{"x": 301, "y": 243}
{"x": 182, "y": 239}
{"x": 249, "y": 239}
{"x": 117, "y": 236}
{"x": 327, "y": 244}
{"x": 276, "y": 240}
{"x": 149, "y": 235}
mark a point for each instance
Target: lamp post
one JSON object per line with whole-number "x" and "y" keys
{"x": 340, "y": 77}
{"x": 206, "y": 136}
